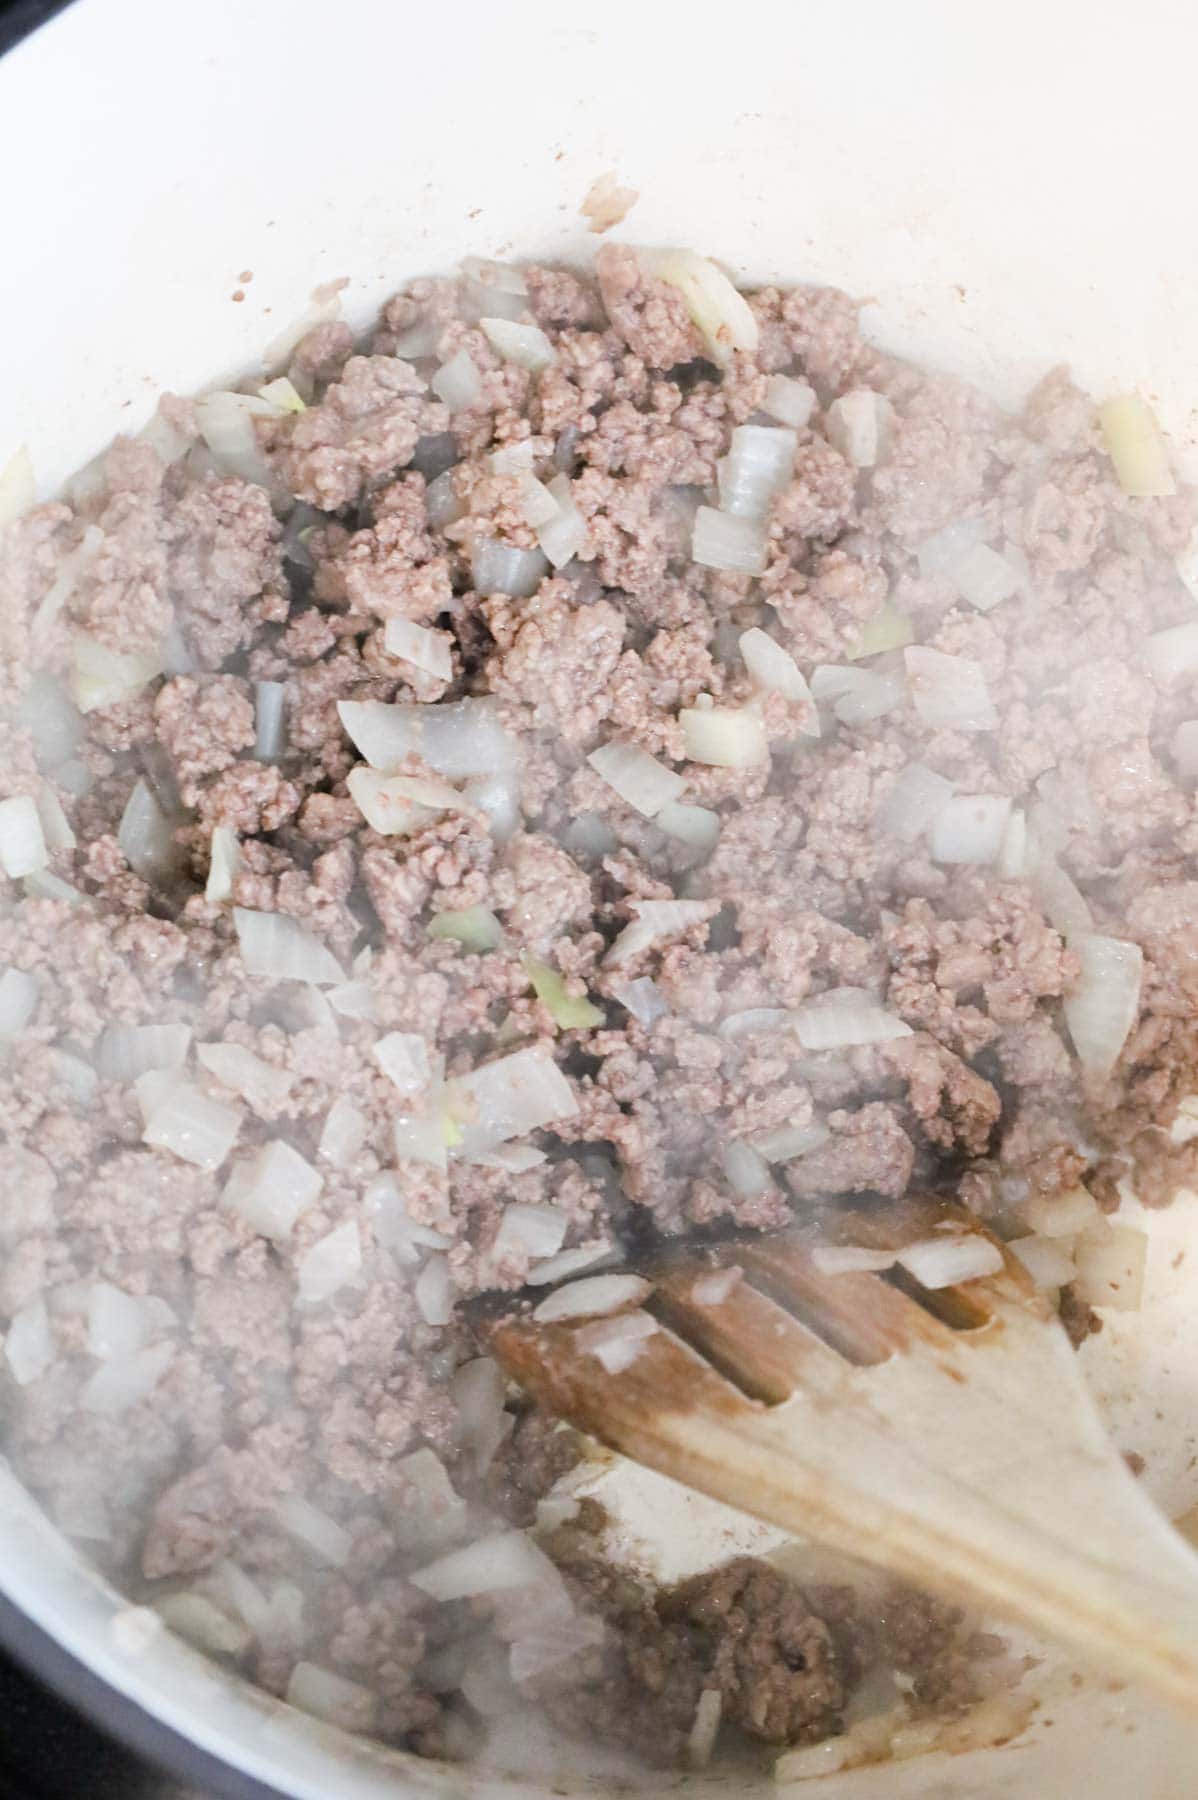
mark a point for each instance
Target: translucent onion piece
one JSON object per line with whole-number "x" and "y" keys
{"x": 53, "y": 720}
{"x": 387, "y": 802}
{"x": 192, "y": 1125}
{"x": 563, "y": 536}
{"x": 266, "y": 1087}
{"x": 569, "y": 1262}
{"x": 1058, "y": 895}
{"x": 949, "y": 692}
{"x": 418, "y": 645}
{"x": 444, "y": 508}
{"x": 514, "y": 1159}
{"x": 914, "y": 802}
{"x": 103, "y": 677}
{"x": 1102, "y": 1005}
{"x": 938, "y": 553}
{"x": 1136, "y": 447}
{"x": 638, "y": 778}
{"x": 462, "y": 738}
{"x": 789, "y": 400}
{"x": 860, "y": 424}
{"x": 490, "y": 1565}
{"x": 697, "y": 826}
{"x": 126, "y": 1381}
{"x": 1172, "y": 652}
{"x": 421, "y": 1138}
{"x": 722, "y": 316}
{"x": 618, "y": 1341}
{"x": 354, "y": 1000}
{"x": 1110, "y": 1267}
{"x": 759, "y": 464}
{"x": 147, "y": 836}
{"x": 701, "y": 1739}
{"x": 127, "y": 1051}
{"x": 333, "y": 1261}
{"x": 22, "y": 841}
{"x": 17, "y": 488}
{"x": 525, "y": 345}
{"x": 270, "y": 738}
{"x": 403, "y": 1058}
{"x": 984, "y": 578}
{"x": 277, "y": 947}
{"x": 29, "y": 1348}
{"x": 857, "y": 695}
{"x": 386, "y": 735}
{"x": 790, "y": 1140}
{"x": 939, "y": 1262}
{"x": 776, "y": 670}
{"x": 478, "y": 1390}
{"x": 643, "y": 998}
{"x": 724, "y": 737}
{"x": 282, "y": 393}
{"x": 436, "y": 1513}
{"x": 226, "y": 424}
{"x": 432, "y": 1292}
{"x": 273, "y": 1190}
{"x": 458, "y": 382}
{"x": 474, "y": 927}
{"x": 970, "y": 828}
{"x": 570, "y": 1012}
{"x": 509, "y": 1098}
{"x": 655, "y": 922}
{"x": 498, "y": 568}
{"x": 594, "y": 1297}
{"x": 845, "y": 1017}
{"x": 56, "y": 827}
{"x": 202, "y": 1623}
{"x": 723, "y": 540}
{"x": 314, "y": 1530}
{"x": 746, "y": 1169}
{"x": 534, "y": 1232}
{"x": 714, "y": 1289}
{"x": 117, "y": 1323}
{"x": 344, "y": 1134}
{"x": 1013, "y": 853}
{"x": 589, "y": 835}
{"x": 18, "y": 1001}
{"x": 1048, "y": 1261}
{"x": 498, "y": 797}
{"x": 850, "y": 1259}
{"x": 514, "y": 459}
{"x": 224, "y": 865}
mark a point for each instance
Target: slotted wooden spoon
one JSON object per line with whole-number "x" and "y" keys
{"x": 945, "y": 1436}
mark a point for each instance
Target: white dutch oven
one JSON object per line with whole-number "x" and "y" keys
{"x": 1011, "y": 185}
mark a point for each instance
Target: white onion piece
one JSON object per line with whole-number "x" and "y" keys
{"x": 147, "y": 836}
{"x": 56, "y": 827}
{"x": 949, "y": 692}
{"x": 618, "y": 1341}
{"x": 938, "y": 553}
{"x": 425, "y": 649}
{"x": 1048, "y": 1261}
{"x": 344, "y": 1133}
{"x": 81, "y": 1513}
{"x": 655, "y": 922}
{"x": 277, "y": 947}
{"x": 1013, "y": 851}
{"x": 478, "y": 1391}
{"x": 1172, "y": 652}
{"x": 261, "y": 1083}
{"x": 1110, "y": 1267}
{"x": 722, "y": 316}
{"x": 118, "y": 1324}
{"x": 747, "y": 1170}
{"x": 385, "y": 802}
{"x": 235, "y": 1590}
{"x": 857, "y": 695}
{"x": 498, "y": 568}
{"x": 1136, "y": 447}
{"x": 273, "y": 1189}
{"x": 333, "y": 1261}
{"x": 530, "y": 1231}
{"x": 224, "y": 865}
{"x": 752, "y": 1019}
{"x": 17, "y": 488}
{"x": 701, "y": 1739}
{"x": 127, "y": 1051}
{"x": 568, "y": 1263}
{"x": 458, "y": 382}
{"x": 474, "y": 927}
{"x": 282, "y": 393}
{"x": 226, "y": 424}
{"x": 354, "y": 1000}
{"x": 563, "y": 536}
{"x": 1185, "y": 748}
{"x": 722, "y": 540}
{"x": 22, "y": 841}
{"x": 776, "y": 670}
{"x": 125, "y": 1381}
{"x": 970, "y": 828}
{"x": 789, "y": 400}
{"x": 791, "y": 1140}
{"x": 715, "y": 1288}
{"x": 29, "y": 1343}
{"x": 432, "y": 1292}
{"x": 391, "y": 1225}
{"x": 461, "y": 738}
{"x": 436, "y": 1513}
{"x": 513, "y": 1159}
{"x": 497, "y": 796}
{"x": 190, "y": 1124}
{"x": 593, "y": 1297}
{"x": 887, "y": 629}
{"x": 637, "y": 777}
{"x": 324, "y": 1695}
{"x": 939, "y": 1262}
{"x": 514, "y": 459}
{"x": 196, "y": 1618}
{"x": 554, "y": 1643}
{"x": 18, "y": 1001}
{"x": 525, "y": 345}
{"x": 983, "y": 577}
{"x": 914, "y": 803}
{"x": 850, "y": 1259}
{"x": 270, "y": 736}
{"x": 1060, "y": 899}
{"x": 52, "y": 719}
{"x": 509, "y": 1098}
{"x": 643, "y": 998}
{"x": 845, "y": 1017}
{"x": 496, "y": 277}
{"x": 314, "y": 1529}
{"x": 724, "y": 737}
{"x": 77, "y": 1076}
{"x": 490, "y": 1565}
{"x": 403, "y": 1058}
{"x": 759, "y": 464}
{"x": 1102, "y": 1005}
{"x": 696, "y": 826}
{"x": 589, "y": 835}
{"x": 860, "y": 424}
{"x": 103, "y": 677}
{"x": 421, "y": 1138}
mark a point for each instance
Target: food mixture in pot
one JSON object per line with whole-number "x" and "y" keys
{"x": 594, "y": 759}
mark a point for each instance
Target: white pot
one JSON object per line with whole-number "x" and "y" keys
{"x": 1009, "y": 183}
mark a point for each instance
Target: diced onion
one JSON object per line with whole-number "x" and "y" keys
{"x": 283, "y": 394}
{"x": 514, "y": 459}
{"x": 147, "y": 836}
{"x": 655, "y": 921}
{"x": 618, "y": 1341}
{"x": 949, "y": 692}
{"x": 458, "y": 382}
{"x": 857, "y": 695}
{"x": 270, "y": 733}
{"x": 983, "y": 577}
{"x": 266, "y": 1087}
{"x": 344, "y": 1133}
{"x": 759, "y": 464}
{"x": 1058, "y": 895}
{"x": 850, "y": 1259}
{"x": 939, "y": 1262}
{"x": 29, "y": 1343}
{"x": 387, "y": 803}
{"x": 747, "y": 1170}
{"x": 332, "y": 1262}
{"x": 568, "y": 1262}
{"x": 386, "y": 735}
{"x": 564, "y": 535}
{"x": 789, "y": 400}
{"x": 474, "y": 927}
{"x": 273, "y": 1189}
{"x": 17, "y": 489}
{"x": 1136, "y": 447}
{"x": 496, "y": 796}
{"x": 436, "y": 1514}
{"x": 22, "y": 841}
{"x": 697, "y": 826}
{"x": 724, "y": 737}
{"x": 844, "y": 1017}
{"x": 589, "y": 835}
{"x": 478, "y": 1391}
{"x": 125, "y": 1381}
{"x": 425, "y": 649}
{"x": 18, "y": 1001}
{"x": 704, "y": 1731}
{"x": 938, "y": 553}
{"x": 191, "y": 1125}
{"x": 490, "y": 1565}
{"x": 791, "y": 1140}
{"x": 1111, "y": 1263}
{"x": 513, "y": 1159}
{"x": 118, "y": 1324}
{"x": 530, "y": 1231}
{"x": 461, "y": 738}
{"x": 103, "y": 677}
{"x": 970, "y": 828}
{"x": 776, "y": 670}
{"x": 722, "y": 316}
{"x": 498, "y": 568}
{"x": 403, "y": 1058}
{"x": 525, "y": 345}
{"x": 56, "y": 827}
{"x": 421, "y": 1138}
{"x": 1047, "y": 1260}
{"x": 860, "y": 424}
{"x": 445, "y": 507}
{"x": 914, "y": 803}
{"x": 1172, "y": 652}
{"x": 554, "y": 1643}
{"x": 509, "y": 1098}
{"x": 716, "y": 1287}
{"x": 354, "y": 1000}
{"x": 202, "y": 1623}
{"x": 314, "y": 1529}
{"x": 724, "y": 540}
{"x": 1013, "y": 852}
{"x": 643, "y": 998}
{"x": 52, "y": 719}
{"x": 1102, "y": 1005}
{"x": 593, "y": 1297}
{"x": 570, "y": 1012}
{"x": 638, "y": 778}
{"x": 324, "y": 1695}
{"x": 277, "y": 947}
{"x": 127, "y": 1051}
{"x": 226, "y": 424}
{"x": 432, "y": 1292}
{"x": 224, "y": 865}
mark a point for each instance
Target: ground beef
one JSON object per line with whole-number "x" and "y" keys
{"x": 307, "y": 1364}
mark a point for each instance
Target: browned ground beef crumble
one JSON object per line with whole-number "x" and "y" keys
{"x": 260, "y": 1398}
